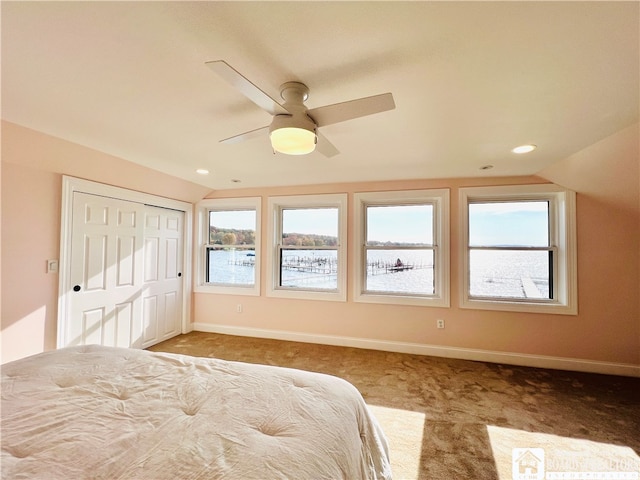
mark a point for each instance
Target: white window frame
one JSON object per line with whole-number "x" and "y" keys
{"x": 275, "y": 206}
{"x": 203, "y": 208}
{"x": 562, "y": 239}
{"x": 439, "y": 198}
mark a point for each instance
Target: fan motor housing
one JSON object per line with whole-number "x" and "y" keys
{"x": 292, "y": 121}
{"x": 294, "y": 92}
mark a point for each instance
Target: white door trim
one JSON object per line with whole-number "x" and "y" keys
{"x": 70, "y": 185}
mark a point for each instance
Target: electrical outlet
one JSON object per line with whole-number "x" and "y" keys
{"x": 239, "y": 308}
{"x": 440, "y": 323}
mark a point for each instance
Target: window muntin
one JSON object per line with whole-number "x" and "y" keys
{"x": 231, "y": 250}
{"x": 399, "y": 249}
{"x": 307, "y": 245}
{"x": 519, "y": 248}
{"x": 229, "y": 236}
{"x": 402, "y": 247}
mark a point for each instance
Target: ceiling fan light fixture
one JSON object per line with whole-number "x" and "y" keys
{"x": 293, "y": 140}
{"x": 293, "y": 135}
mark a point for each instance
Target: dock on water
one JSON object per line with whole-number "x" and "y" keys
{"x": 329, "y": 265}
{"x": 380, "y": 267}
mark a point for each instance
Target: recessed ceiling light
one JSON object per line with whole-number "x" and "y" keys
{"x": 524, "y": 149}
{"x": 202, "y": 171}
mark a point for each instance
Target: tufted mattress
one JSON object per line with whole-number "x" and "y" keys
{"x": 115, "y": 413}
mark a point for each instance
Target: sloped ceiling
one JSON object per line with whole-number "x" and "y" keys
{"x": 471, "y": 80}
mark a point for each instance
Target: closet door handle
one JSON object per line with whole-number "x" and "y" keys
{"x": 77, "y": 288}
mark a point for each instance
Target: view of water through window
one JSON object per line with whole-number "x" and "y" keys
{"x": 509, "y": 274}
{"x": 309, "y": 261}
{"x": 504, "y": 274}
{"x": 510, "y": 268}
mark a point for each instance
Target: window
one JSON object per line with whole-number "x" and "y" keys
{"x": 519, "y": 249}
{"x": 402, "y": 253}
{"x": 307, "y": 240}
{"x": 230, "y": 246}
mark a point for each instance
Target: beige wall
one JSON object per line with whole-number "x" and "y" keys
{"x": 605, "y": 176}
{"x": 32, "y": 168}
{"x": 30, "y": 236}
{"x": 607, "y": 328}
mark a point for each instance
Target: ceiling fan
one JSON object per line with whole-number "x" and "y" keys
{"x": 294, "y": 128}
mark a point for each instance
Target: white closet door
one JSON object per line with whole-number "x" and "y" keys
{"x": 126, "y": 273}
{"x": 162, "y": 297}
{"x": 106, "y": 272}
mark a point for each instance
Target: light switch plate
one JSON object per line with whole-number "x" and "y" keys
{"x": 52, "y": 266}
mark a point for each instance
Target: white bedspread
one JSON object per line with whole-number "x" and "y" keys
{"x": 112, "y": 413}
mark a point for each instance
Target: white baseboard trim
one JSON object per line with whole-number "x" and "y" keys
{"x": 520, "y": 359}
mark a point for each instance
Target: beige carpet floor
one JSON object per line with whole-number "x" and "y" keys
{"x": 456, "y": 419}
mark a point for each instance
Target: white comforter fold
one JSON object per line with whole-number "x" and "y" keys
{"x": 111, "y": 413}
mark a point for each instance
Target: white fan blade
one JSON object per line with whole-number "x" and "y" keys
{"x": 325, "y": 147}
{"x": 258, "y": 132}
{"x": 248, "y": 89}
{"x": 339, "y": 112}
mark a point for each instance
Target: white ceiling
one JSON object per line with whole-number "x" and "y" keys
{"x": 471, "y": 80}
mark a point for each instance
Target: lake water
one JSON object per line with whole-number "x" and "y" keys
{"x": 502, "y": 274}
{"x": 509, "y": 274}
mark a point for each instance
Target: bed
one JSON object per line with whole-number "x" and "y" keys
{"x": 115, "y": 413}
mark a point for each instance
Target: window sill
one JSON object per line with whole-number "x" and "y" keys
{"x": 307, "y": 295}
{"x": 251, "y": 290}
{"x": 522, "y": 307}
{"x": 402, "y": 300}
